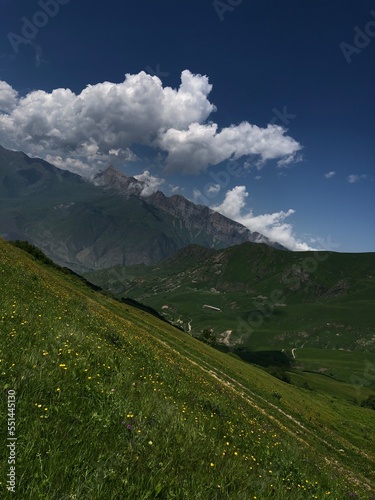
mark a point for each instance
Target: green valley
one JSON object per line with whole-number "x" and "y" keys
{"x": 312, "y": 311}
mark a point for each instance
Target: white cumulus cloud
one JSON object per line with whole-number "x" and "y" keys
{"x": 191, "y": 150}
{"x": 108, "y": 119}
{"x": 174, "y": 189}
{"x": 353, "y": 178}
{"x": 151, "y": 183}
{"x": 290, "y": 159}
{"x": 214, "y": 189}
{"x": 330, "y": 174}
{"x": 271, "y": 225}
{"x": 8, "y": 98}
{"x": 75, "y": 165}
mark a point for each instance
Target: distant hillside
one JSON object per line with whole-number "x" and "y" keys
{"x": 112, "y": 403}
{"x": 291, "y": 291}
{"x": 22, "y": 176}
{"x": 94, "y": 225}
{"x": 255, "y": 299}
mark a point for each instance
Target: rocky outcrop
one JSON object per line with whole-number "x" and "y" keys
{"x": 110, "y": 178}
{"x": 199, "y": 220}
{"x": 223, "y": 231}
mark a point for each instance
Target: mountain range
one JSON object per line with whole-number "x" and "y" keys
{"x": 111, "y": 219}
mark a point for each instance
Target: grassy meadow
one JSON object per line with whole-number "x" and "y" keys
{"x": 112, "y": 403}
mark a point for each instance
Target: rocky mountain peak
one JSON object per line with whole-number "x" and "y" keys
{"x": 197, "y": 219}
{"x": 110, "y": 178}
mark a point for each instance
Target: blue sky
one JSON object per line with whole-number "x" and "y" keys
{"x": 273, "y": 123}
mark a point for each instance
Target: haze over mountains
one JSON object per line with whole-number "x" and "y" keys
{"x": 111, "y": 220}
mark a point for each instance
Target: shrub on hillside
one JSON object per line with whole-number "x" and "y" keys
{"x": 279, "y": 373}
{"x": 208, "y": 337}
{"x": 369, "y": 402}
{"x": 34, "y": 251}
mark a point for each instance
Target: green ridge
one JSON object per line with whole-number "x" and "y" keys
{"x": 270, "y": 301}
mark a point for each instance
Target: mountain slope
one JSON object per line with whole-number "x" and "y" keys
{"x": 112, "y": 403}
{"x": 207, "y": 227}
{"x": 108, "y": 222}
{"x": 266, "y": 306}
{"x": 270, "y": 289}
{"x": 21, "y": 176}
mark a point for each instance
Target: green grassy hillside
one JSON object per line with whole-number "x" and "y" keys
{"x": 112, "y": 403}
{"x": 286, "y": 299}
{"x": 315, "y": 308}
